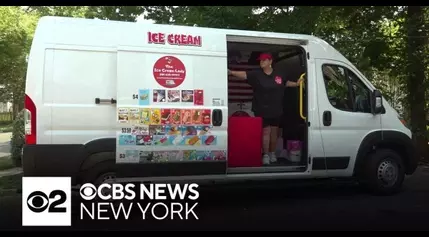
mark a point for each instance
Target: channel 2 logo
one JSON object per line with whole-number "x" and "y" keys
{"x": 46, "y": 201}
{"x": 38, "y": 201}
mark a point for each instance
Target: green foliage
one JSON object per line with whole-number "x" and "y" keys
{"x": 122, "y": 13}
{"x": 6, "y": 118}
{"x": 6, "y": 163}
{"x": 67, "y": 11}
{"x": 18, "y": 139}
{"x": 16, "y": 33}
{"x": 6, "y": 127}
{"x": 10, "y": 182}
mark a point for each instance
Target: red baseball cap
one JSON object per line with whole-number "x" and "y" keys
{"x": 265, "y": 56}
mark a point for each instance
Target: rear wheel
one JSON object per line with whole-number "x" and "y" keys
{"x": 108, "y": 177}
{"x": 383, "y": 172}
{"x": 102, "y": 172}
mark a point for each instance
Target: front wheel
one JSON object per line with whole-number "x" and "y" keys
{"x": 383, "y": 172}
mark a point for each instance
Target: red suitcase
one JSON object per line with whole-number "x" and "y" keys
{"x": 244, "y": 142}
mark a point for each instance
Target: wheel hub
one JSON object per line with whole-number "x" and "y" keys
{"x": 387, "y": 173}
{"x": 110, "y": 179}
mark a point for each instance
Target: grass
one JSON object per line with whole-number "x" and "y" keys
{"x": 6, "y": 127}
{"x": 6, "y": 163}
{"x": 13, "y": 182}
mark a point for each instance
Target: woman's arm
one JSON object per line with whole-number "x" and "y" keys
{"x": 294, "y": 84}
{"x": 239, "y": 74}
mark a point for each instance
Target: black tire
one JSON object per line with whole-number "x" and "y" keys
{"x": 97, "y": 174}
{"x": 383, "y": 172}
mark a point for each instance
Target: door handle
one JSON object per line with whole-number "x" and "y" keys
{"x": 327, "y": 118}
{"x": 217, "y": 117}
{"x": 110, "y": 101}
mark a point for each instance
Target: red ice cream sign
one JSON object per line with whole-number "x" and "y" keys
{"x": 174, "y": 39}
{"x": 169, "y": 71}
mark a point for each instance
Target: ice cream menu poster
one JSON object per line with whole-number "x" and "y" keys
{"x": 165, "y": 122}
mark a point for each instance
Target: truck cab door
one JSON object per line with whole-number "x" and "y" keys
{"x": 345, "y": 114}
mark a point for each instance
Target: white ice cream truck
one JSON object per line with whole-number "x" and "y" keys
{"x": 148, "y": 102}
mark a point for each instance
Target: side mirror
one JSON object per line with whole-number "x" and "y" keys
{"x": 376, "y": 102}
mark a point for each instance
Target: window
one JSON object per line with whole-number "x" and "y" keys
{"x": 360, "y": 93}
{"x": 345, "y": 90}
{"x": 337, "y": 87}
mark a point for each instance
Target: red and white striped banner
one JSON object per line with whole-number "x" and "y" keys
{"x": 239, "y": 91}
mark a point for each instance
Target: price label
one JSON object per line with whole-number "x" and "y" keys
{"x": 126, "y": 130}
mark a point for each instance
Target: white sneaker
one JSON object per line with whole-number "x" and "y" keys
{"x": 266, "y": 159}
{"x": 273, "y": 157}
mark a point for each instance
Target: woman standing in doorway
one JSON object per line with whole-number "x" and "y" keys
{"x": 268, "y": 86}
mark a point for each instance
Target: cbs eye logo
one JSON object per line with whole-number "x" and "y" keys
{"x": 88, "y": 191}
{"x": 38, "y": 201}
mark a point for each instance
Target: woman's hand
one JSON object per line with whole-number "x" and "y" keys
{"x": 295, "y": 84}
{"x": 301, "y": 79}
{"x": 239, "y": 74}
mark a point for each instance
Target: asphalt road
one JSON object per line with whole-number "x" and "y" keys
{"x": 5, "y": 144}
{"x": 278, "y": 206}
{"x": 4, "y": 149}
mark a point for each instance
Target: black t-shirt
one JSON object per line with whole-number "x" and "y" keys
{"x": 268, "y": 92}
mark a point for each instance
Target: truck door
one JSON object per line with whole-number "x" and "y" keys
{"x": 172, "y": 106}
{"x": 345, "y": 114}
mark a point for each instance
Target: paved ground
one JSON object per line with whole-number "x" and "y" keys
{"x": 5, "y": 137}
{"x": 13, "y": 171}
{"x": 5, "y": 144}
{"x": 280, "y": 206}
{"x": 5, "y": 152}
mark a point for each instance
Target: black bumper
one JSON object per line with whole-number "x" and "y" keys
{"x": 413, "y": 157}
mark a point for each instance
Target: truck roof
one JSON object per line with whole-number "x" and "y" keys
{"x": 107, "y": 33}
{"x": 52, "y": 19}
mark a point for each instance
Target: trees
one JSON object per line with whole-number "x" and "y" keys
{"x": 16, "y": 31}
{"x": 416, "y": 70}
